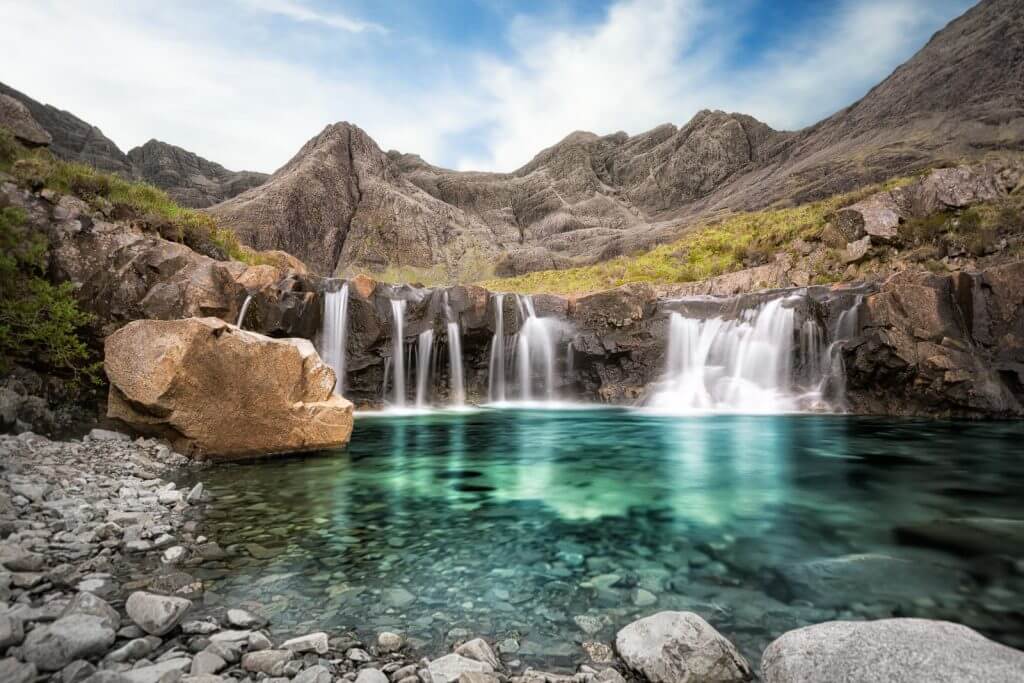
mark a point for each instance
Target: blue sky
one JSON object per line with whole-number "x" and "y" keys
{"x": 469, "y": 84}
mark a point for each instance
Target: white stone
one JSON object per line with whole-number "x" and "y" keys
{"x": 313, "y": 642}
{"x": 447, "y": 669}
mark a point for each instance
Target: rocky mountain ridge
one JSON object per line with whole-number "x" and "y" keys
{"x": 188, "y": 178}
{"x": 589, "y": 198}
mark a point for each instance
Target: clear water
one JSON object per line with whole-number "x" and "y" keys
{"x": 513, "y": 523}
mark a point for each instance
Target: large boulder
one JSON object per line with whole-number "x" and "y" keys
{"x": 680, "y": 647}
{"x": 891, "y": 650}
{"x": 215, "y": 390}
{"x": 76, "y": 636}
{"x": 155, "y": 614}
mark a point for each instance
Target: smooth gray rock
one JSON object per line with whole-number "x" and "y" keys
{"x": 134, "y": 649}
{"x": 371, "y": 676}
{"x": 890, "y": 650}
{"x": 389, "y": 642}
{"x": 76, "y": 636}
{"x": 679, "y": 647}
{"x": 207, "y": 662}
{"x": 240, "y": 618}
{"x": 313, "y": 642}
{"x": 77, "y": 671}
{"x": 265, "y": 661}
{"x": 12, "y": 631}
{"x": 89, "y": 603}
{"x": 479, "y": 650}
{"x": 156, "y": 672}
{"x": 447, "y": 669}
{"x": 156, "y": 614}
{"x": 13, "y": 671}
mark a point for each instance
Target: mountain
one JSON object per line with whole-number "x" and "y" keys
{"x": 342, "y": 204}
{"x": 191, "y": 180}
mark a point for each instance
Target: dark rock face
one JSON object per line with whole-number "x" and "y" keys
{"x": 73, "y": 138}
{"x": 942, "y": 345}
{"x": 589, "y": 198}
{"x": 188, "y": 178}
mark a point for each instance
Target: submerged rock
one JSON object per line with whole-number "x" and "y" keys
{"x": 892, "y": 650}
{"x": 215, "y": 390}
{"x": 678, "y": 647}
{"x": 969, "y": 535}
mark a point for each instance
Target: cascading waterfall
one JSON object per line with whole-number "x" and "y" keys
{"x": 332, "y": 334}
{"x": 424, "y": 363}
{"x": 496, "y": 368}
{"x": 535, "y": 352}
{"x": 245, "y": 309}
{"x": 457, "y": 388}
{"x": 398, "y": 352}
{"x": 746, "y": 364}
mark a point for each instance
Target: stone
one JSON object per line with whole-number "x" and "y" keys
{"x": 16, "y": 117}
{"x": 318, "y": 674}
{"x": 857, "y": 250}
{"x": 134, "y": 649}
{"x": 107, "y": 435}
{"x": 155, "y": 673}
{"x": 479, "y": 650}
{"x": 17, "y": 559}
{"x": 359, "y": 655}
{"x": 258, "y": 641}
{"x": 243, "y": 619}
{"x": 675, "y": 647}
{"x": 313, "y": 642}
{"x": 88, "y": 603}
{"x": 447, "y": 669}
{"x": 13, "y": 671}
{"x": 389, "y": 642}
{"x": 371, "y": 675}
{"x": 643, "y": 598}
{"x": 75, "y": 672}
{"x": 877, "y": 217}
{"x": 12, "y": 631}
{"x": 891, "y": 650}
{"x": 207, "y": 662}
{"x": 76, "y": 636}
{"x": 598, "y": 652}
{"x": 215, "y": 390}
{"x": 195, "y": 494}
{"x": 397, "y": 597}
{"x": 156, "y": 614}
{"x": 228, "y": 651}
{"x": 968, "y": 535}
{"x": 836, "y": 582}
{"x": 266, "y": 661}
{"x": 477, "y": 677}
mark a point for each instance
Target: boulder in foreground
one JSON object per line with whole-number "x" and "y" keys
{"x": 221, "y": 392}
{"x": 893, "y": 650}
{"x": 680, "y": 647}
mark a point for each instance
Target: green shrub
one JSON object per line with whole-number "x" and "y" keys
{"x": 40, "y": 323}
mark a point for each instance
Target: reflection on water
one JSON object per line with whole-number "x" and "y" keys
{"x": 515, "y": 523}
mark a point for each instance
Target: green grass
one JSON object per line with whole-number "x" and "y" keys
{"x": 706, "y": 250}
{"x": 39, "y": 169}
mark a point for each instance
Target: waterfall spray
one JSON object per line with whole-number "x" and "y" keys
{"x": 424, "y": 357}
{"x": 457, "y": 390}
{"x": 332, "y": 334}
{"x": 398, "y": 351}
{"x": 496, "y": 370}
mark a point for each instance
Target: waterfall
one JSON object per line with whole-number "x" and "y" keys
{"x": 332, "y": 334}
{"x": 245, "y": 309}
{"x": 747, "y": 364}
{"x": 424, "y": 356}
{"x": 457, "y": 394}
{"x": 535, "y": 352}
{"x": 398, "y": 351}
{"x": 496, "y": 369}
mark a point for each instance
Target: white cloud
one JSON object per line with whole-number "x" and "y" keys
{"x": 296, "y": 11}
{"x": 194, "y": 78}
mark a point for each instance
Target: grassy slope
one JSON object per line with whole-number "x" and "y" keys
{"x": 708, "y": 249}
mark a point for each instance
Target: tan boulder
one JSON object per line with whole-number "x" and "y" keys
{"x": 221, "y": 392}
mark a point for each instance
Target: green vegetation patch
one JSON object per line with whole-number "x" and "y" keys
{"x": 41, "y": 324}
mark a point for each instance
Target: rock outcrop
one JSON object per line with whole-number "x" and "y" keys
{"x": 895, "y": 650}
{"x": 220, "y": 392}
{"x": 188, "y": 178}
{"x": 15, "y": 117}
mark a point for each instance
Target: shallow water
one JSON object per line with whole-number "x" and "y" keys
{"x": 513, "y": 523}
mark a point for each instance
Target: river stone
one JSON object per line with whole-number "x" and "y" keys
{"x": 891, "y": 650}
{"x": 315, "y": 674}
{"x": 243, "y": 619}
{"x": 371, "y": 676}
{"x": 397, "y": 597}
{"x": 206, "y": 662}
{"x": 156, "y": 614}
{"x": 447, "y": 669}
{"x": 313, "y": 642}
{"x": 75, "y": 672}
{"x": 17, "y": 559}
{"x": 12, "y": 631}
{"x": 216, "y": 390}
{"x": 680, "y": 647}
{"x": 265, "y": 661}
{"x": 838, "y": 581}
{"x": 87, "y": 603}
{"x": 76, "y": 636}
{"x": 389, "y": 642}
{"x": 479, "y": 650}
{"x": 155, "y": 673}
{"x": 13, "y": 671}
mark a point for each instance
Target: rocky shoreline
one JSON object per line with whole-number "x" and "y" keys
{"x": 98, "y": 541}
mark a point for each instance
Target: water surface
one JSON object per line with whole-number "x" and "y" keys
{"x": 548, "y": 529}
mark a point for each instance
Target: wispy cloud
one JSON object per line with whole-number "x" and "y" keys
{"x": 297, "y": 11}
{"x": 247, "y": 84}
